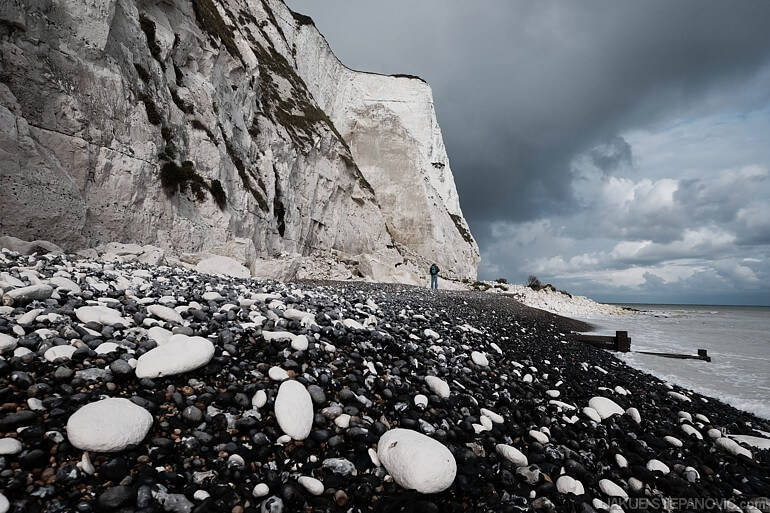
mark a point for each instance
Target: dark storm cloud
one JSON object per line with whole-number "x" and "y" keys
{"x": 521, "y": 87}
{"x": 609, "y": 157}
{"x": 590, "y": 138}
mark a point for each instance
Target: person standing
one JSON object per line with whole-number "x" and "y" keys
{"x": 434, "y": 270}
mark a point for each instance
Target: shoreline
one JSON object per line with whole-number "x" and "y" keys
{"x": 576, "y": 419}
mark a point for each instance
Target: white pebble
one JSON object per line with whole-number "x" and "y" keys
{"x": 342, "y": 421}
{"x": 106, "y": 348}
{"x": 7, "y": 343}
{"x": 165, "y": 313}
{"x": 35, "y": 404}
{"x": 85, "y": 464}
{"x": 538, "y": 436}
{"x": 312, "y": 485}
{"x": 9, "y": 446}
{"x": 21, "y": 351}
{"x": 178, "y": 355}
{"x": 259, "y": 399}
{"x": 260, "y": 490}
{"x": 101, "y": 314}
{"x": 299, "y": 343}
{"x": 373, "y": 456}
{"x": 672, "y": 440}
{"x": 691, "y": 431}
{"x": 635, "y": 484}
{"x": 634, "y": 414}
{"x": 512, "y": 454}
{"x": 277, "y": 335}
{"x": 702, "y": 418}
{"x": 679, "y": 397}
{"x": 159, "y": 335}
{"x": 277, "y": 374}
{"x": 56, "y": 352}
{"x": 494, "y": 417}
{"x": 420, "y": 400}
{"x": 294, "y": 409}
{"x": 416, "y": 462}
{"x": 479, "y": 359}
{"x": 657, "y": 465}
{"x": 236, "y": 461}
{"x": 438, "y": 386}
{"x": 592, "y": 414}
{"x": 29, "y": 317}
{"x": 731, "y": 446}
{"x": 108, "y": 425}
{"x": 611, "y": 489}
{"x": 567, "y": 484}
{"x": 605, "y": 407}
{"x": 431, "y": 334}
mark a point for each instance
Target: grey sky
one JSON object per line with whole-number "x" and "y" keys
{"x": 618, "y": 149}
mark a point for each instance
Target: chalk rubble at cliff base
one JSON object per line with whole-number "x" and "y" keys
{"x": 472, "y": 401}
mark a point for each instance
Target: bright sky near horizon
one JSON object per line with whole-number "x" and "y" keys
{"x": 617, "y": 149}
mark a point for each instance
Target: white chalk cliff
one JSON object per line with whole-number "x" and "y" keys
{"x": 218, "y": 126}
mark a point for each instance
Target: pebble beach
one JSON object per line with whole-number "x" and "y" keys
{"x": 138, "y": 388}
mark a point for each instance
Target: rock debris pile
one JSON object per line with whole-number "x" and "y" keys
{"x": 133, "y": 388}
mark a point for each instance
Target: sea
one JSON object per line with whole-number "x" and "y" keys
{"x": 737, "y": 339}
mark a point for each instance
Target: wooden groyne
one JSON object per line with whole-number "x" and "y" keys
{"x": 622, "y": 342}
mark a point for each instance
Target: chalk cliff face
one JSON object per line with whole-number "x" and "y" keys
{"x": 217, "y": 126}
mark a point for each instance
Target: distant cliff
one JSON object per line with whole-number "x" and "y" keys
{"x": 217, "y": 126}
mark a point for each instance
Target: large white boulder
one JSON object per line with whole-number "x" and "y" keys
{"x": 416, "y": 462}
{"x": 178, "y": 355}
{"x": 294, "y": 409}
{"x": 605, "y": 407}
{"x": 109, "y": 425}
{"x": 223, "y": 265}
